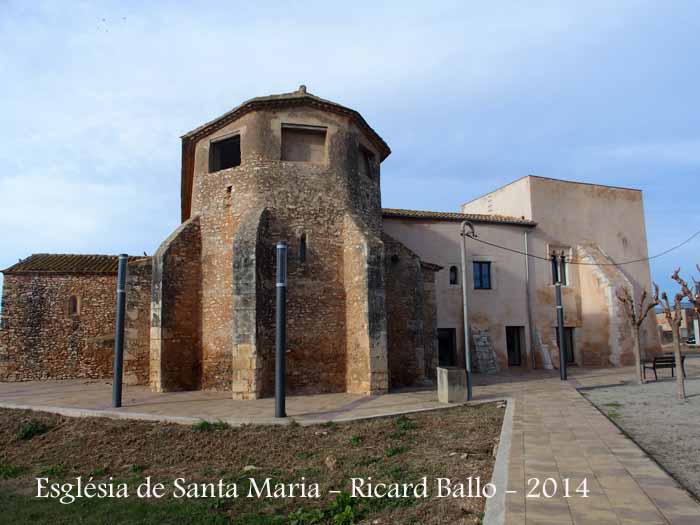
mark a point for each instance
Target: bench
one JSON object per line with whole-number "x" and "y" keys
{"x": 663, "y": 361}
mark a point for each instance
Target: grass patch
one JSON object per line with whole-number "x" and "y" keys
{"x": 98, "y": 472}
{"x": 402, "y": 426}
{"x": 614, "y": 415}
{"x": 404, "y": 423}
{"x": 137, "y": 469}
{"x": 356, "y": 440}
{"x": 31, "y": 429}
{"x": 305, "y": 454}
{"x": 23, "y": 509}
{"x": 8, "y": 471}
{"x": 614, "y": 404}
{"x": 208, "y": 426}
{"x": 394, "y": 451}
{"x": 54, "y": 471}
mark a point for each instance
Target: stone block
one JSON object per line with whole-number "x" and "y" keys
{"x": 452, "y": 384}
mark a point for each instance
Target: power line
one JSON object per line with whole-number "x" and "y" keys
{"x": 584, "y": 263}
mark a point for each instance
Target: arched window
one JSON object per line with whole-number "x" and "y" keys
{"x": 73, "y": 305}
{"x": 302, "y": 248}
{"x": 454, "y": 275}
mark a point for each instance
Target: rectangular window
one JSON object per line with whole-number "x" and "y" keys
{"x": 482, "y": 275}
{"x": 224, "y": 154}
{"x": 560, "y": 270}
{"x": 365, "y": 162}
{"x": 303, "y": 143}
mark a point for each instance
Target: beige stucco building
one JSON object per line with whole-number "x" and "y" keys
{"x": 511, "y": 297}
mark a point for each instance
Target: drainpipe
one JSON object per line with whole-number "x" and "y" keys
{"x": 531, "y": 346}
{"x": 466, "y": 225}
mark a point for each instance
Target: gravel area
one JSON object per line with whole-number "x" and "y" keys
{"x": 665, "y": 427}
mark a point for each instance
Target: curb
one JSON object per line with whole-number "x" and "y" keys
{"x": 495, "y": 509}
{"x": 233, "y": 421}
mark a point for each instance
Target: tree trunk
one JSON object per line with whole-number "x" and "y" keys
{"x": 638, "y": 355}
{"x": 680, "y": 380}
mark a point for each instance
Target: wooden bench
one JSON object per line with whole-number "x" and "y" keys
{"x": 663, "y": 361}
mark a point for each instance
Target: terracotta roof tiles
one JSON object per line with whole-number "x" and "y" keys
{"x": 55, "y": 263}
{"x": 451, "y": 216}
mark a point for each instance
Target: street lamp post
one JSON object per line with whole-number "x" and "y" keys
{"x": 466, "y": 229}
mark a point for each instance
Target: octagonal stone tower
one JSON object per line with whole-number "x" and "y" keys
{"x": 291, "y": 167}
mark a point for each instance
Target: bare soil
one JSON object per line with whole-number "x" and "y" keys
{"x": 453, "y": 443}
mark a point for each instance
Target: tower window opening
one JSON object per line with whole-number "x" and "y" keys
{"x": 366, "y": 162}
{"x": 224, "y": 154}
{"x": 303, "y": 143}
{"x": 302, "y": 248}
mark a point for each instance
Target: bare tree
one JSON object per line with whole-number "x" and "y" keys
{"x": 694, "y": 298}
{"x": 674, "y": 317}
{"x": 636, "y": 314}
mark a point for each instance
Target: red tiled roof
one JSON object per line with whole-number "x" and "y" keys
{"x": 56, "y": 263}
{"x": 451, "y": 216}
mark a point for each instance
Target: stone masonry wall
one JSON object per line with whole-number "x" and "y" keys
{"x": 175, "y": 349}
{"x": 40, "y": 340}
{"x": 137, "y": 323}
{"x": 430, "y": 340}
{"x": 303, "y": 200}
{"x": 365, "y": 311}
{"x": 404, "y": 305}
{"x": 249, "y": 365}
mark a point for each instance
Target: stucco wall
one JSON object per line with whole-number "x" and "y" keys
{"x": 504, "y": 305}
{"x": 570, "y": 215}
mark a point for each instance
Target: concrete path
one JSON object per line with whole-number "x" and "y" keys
{"x": 556, "y": 435}
{"x": 94, "y": 398}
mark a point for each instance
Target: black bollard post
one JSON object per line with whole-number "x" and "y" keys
{"x": 119, "y": 334}
{"x": 558, "y": 271}
{"x": 281, "y": 330}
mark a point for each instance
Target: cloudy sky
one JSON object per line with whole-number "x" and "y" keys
{"x": 94, "y": 97}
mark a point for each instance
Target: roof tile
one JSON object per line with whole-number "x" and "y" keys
{"x": 451, "y": 216}
{"x": 56, "y": 263}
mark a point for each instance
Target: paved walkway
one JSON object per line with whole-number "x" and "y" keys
{"x": 94, "y": 398}
{"x": 556, "y": 434}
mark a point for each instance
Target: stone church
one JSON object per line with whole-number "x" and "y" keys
{"x": 373, "y": 296}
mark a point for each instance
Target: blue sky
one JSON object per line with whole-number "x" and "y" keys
{"x": 94, "y": 97}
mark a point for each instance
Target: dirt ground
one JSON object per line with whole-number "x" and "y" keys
{"x": 667, "y": 429}
{"x": 453, "y": 443}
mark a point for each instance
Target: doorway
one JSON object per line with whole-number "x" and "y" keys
{"x": 568, "y": 344}
{"x": 447, "y": 346}
{"x": 515, "y": 341}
